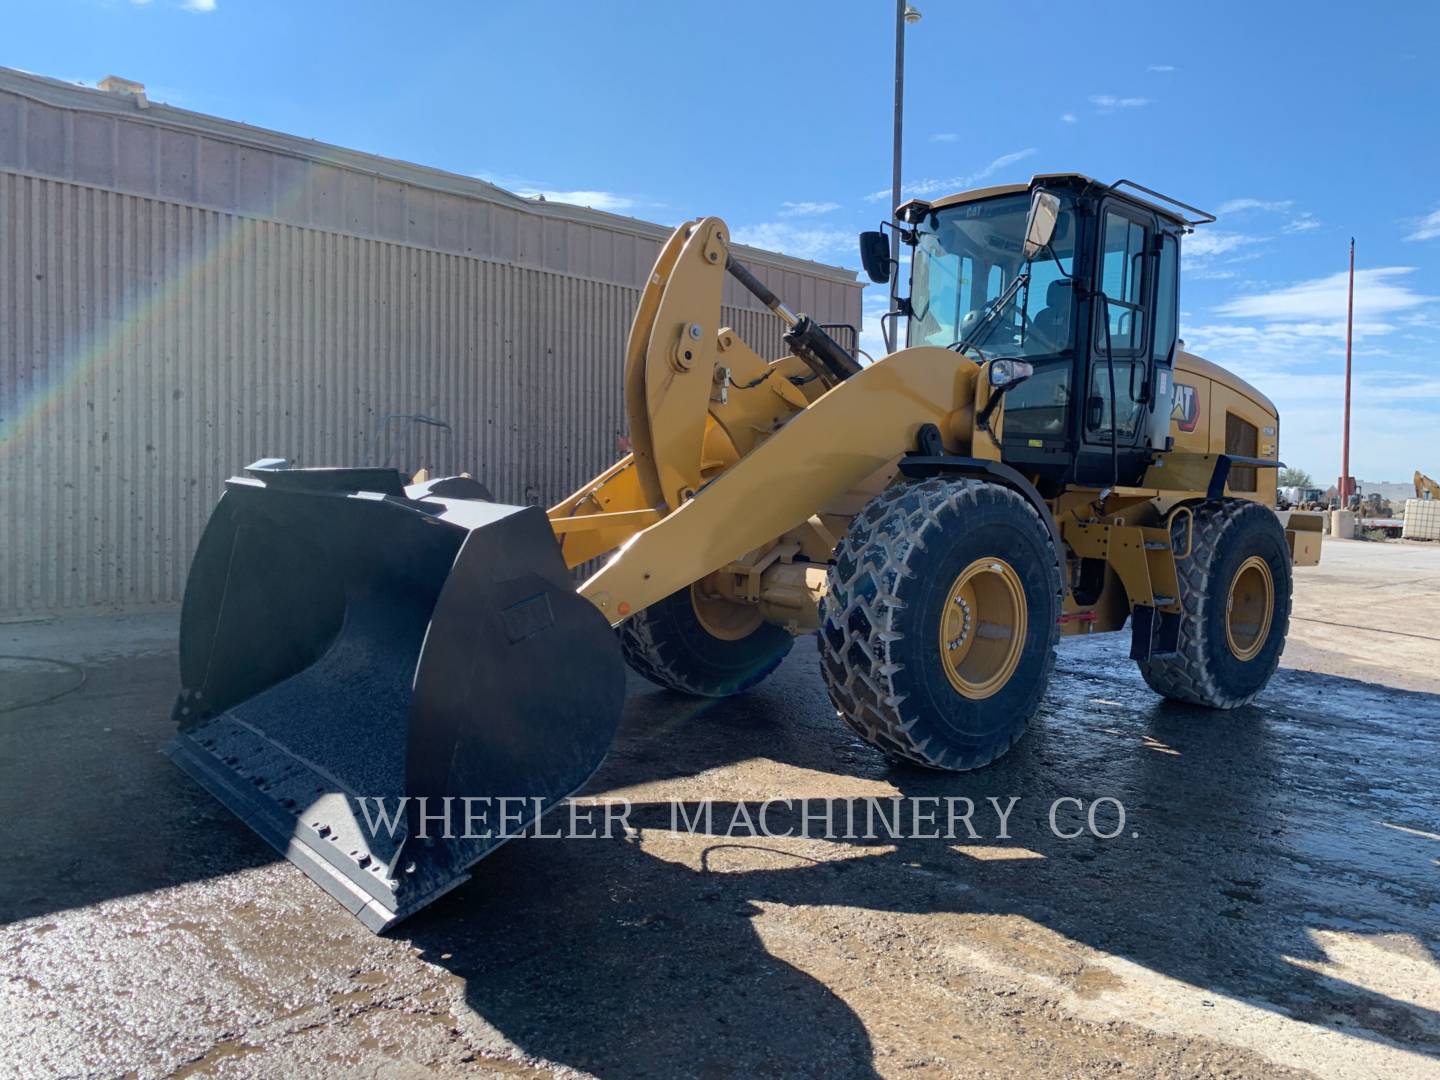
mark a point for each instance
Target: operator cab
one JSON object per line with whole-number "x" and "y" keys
{"x": 1093, "y": 311}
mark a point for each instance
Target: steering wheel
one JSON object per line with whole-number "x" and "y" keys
{"x": 972, "y": 318}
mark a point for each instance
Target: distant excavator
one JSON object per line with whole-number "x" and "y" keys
{"x": 1425, "y": 488}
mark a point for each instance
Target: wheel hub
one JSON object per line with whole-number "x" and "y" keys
{"x": 722, "y": 618}
{"x": 982, "y": 627}
{"x": 1249, "y": 606}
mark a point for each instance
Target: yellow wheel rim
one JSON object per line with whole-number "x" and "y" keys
{"x": 1249, "y": 605}
{"x": 982, "y": 628}
{"x": 724, "y": 619}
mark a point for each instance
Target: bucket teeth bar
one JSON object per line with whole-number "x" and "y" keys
{"x": 350, "y": 647}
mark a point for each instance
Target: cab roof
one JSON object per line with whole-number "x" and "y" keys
{"x": 1074, "y": 180}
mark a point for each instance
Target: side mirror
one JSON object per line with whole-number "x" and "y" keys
{"x": 875, "y": 256}
{"x": 1040, "y": 224}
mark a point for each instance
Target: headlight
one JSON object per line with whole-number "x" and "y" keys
{"x": 1007, "y": 373}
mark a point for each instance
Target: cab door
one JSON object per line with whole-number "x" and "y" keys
{"x": 1119, "y": 378}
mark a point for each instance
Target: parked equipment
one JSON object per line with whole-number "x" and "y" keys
{"x": 1425, "y": 488}
{"x": 1300, "y": 498}
{"x": 1375, "y": 505}
{"x": 1042, "y": 459}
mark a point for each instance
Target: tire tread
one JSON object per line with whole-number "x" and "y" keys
{"x": 1188, "y": 675}
{"x": 653, "y": 649}
{"x": 861, "y": 619}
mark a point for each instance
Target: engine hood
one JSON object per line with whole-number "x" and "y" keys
{"x": 1198, "y": 365}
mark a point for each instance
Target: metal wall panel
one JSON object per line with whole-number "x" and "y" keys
{"x": 149, "y": 349}
{"x": 181, "y": 295}
{"x": 64, "y": 132}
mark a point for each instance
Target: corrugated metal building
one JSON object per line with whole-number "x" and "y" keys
{"x": 180, "y": 295}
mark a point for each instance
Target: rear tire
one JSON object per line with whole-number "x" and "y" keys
{"x": 670, "y": 645}
{"x": 1235, "y": 595}
{"x": 937, "y": 634}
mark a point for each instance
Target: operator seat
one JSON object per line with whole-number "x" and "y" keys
{"x": 1050, "y": 329}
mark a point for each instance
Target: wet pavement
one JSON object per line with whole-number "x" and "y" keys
{"x": 1271, "y": 904}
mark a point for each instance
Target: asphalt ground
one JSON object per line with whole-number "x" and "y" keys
{"x": 1270, "y": 907}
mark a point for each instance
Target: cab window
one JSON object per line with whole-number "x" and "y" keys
{"x": 1166, "y": 299}
{"x": 1039, "y": 408}
{"x": 1122, "y": 279}
{"x": 1114, "y": 407}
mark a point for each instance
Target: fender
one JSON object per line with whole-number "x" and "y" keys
{"x": 922, "y": 465}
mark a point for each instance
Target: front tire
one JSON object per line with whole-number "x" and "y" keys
{"x": 1235, "y": 595}
{"x": 702, "y": 647}
{"x": 938, "y": 631}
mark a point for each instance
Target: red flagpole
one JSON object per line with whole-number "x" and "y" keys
{"x": 1349, "y": 332}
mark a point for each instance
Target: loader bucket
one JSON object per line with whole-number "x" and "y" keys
{"x": 359, "y": 661}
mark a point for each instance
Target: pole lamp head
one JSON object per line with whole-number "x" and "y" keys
{"x": 912, "y": 15}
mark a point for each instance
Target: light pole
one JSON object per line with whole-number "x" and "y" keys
{"x": 904, "y": 13}
{"x": 1345, "y": 437}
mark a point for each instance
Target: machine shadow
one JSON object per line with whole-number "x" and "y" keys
{"x": 93, "y": 810}
{"x": 1255, "y": 829}
{"x": 1248, "y": 835}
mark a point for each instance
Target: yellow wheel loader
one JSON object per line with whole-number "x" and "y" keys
{"x": 389, "y": 680}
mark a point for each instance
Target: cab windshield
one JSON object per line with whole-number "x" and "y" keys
{"x": 967, "y": 256}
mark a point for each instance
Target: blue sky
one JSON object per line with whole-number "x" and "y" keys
{"x": 1300, "y": 125}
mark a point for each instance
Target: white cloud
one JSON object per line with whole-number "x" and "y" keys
{"x": 510, "y": 182}
{"x": 1237, "y": 206}
{"x": 1280, "y": 345}
{"x": 596, "y": 200}
{"x": 798, "y": 209}
{"x": 1109, "y": 102}
{"x": 1209, "y": 253}
{"x": 1001, "y": 162}
{"x": 956, "y": 183}
{"x": 1300, "y": 220}
{"x": 1209, "y": 243}
{"x": 1377, "y": 292}
{"x": 201, "y": 7}
{"x": 817, "y": 242}
{"x": 1427, "y": 228}
{"x": 1387, "y": 440}
{"x": 1290, "y": 342}
{"x": 944, "y": 136}
{"x": 529, "y": 187}
{"x": 1393, "y": 411}
{"x": 1300, "y": 365}
{"x": 1420, "y": 319}
{"x": 1161, "y": 67}
{"x": 1069, "y": 118}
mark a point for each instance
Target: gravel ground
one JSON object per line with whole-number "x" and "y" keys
{"x": 1270, "y": 908}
